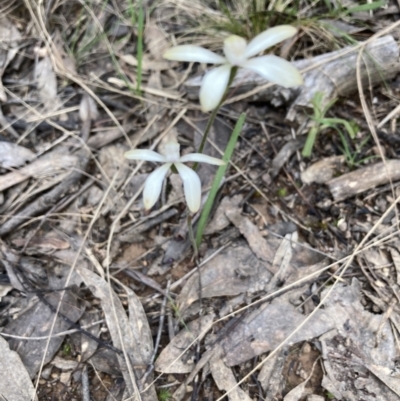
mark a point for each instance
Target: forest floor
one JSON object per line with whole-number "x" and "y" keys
{"x": 294, "y": 292}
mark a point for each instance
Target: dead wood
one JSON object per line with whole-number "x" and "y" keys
{"x": 365, "y": 178}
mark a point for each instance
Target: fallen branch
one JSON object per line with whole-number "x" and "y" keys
{"x": 350, "y": 184}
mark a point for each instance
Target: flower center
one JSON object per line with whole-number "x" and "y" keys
{"x": 234, "y": 49}
{"x": 171, "y": 151}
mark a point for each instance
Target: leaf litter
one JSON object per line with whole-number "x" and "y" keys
{"x": 142, "y": 315}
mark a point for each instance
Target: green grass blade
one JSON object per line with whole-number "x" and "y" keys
{"x": 308, "y": 146}
{"x": 218, "y": 178}
{"x": 365, "y": 7}
{"x": 139, "y": 52}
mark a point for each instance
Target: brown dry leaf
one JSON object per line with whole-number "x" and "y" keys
{"x": 112, "y": 159}
{"x": 12, "y": 155}
{"x": 170, "y": 359}
{"x": 386, "y": 376}
{"x": 155, "y": 39}
{"x": 5, "y": 289}
{"x": 89, "y": 346}
{"x": 260, "y": 246}
{"x": 264, "y": 329}
{"x": 36, "y": 322}
{"x": 176, "y": 191}
{"x": 88, "y": 109}
{"x": 299, "y": 391}
{"x": 47, "y": 243}
{"x": 62, "y": 57}
{"x": 147, "y": 63}
{"x": 270, "y": 376}
{"x": 15, "y": 383}
{"x": 225, "y": 380}
{"x": 394, "y": 253}
{"x": 284, "y": 154}
{"x": 132, "y": 252}
{"x": 322, "y": 171}
{"x": 48, "y": 165}
{"x": 219, "y": 220}
{"x": 154, "y": 113}
{"x": 234, "y": 271}
{"x": 283, "y": 256}
{"x": 132, "y": 334}
{"x": 46, "y": 82}
{"x": 362, "y": 341}
{"x": 9, "y": 38}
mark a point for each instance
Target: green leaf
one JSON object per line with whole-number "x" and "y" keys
{"x": 218, "y": 178}
{"x": 308, "y": 146}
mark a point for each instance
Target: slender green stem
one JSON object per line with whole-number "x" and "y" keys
{"x": 214, "y": 115}
{"x": 218, "y": 178}
{"x": 191, "y": 235}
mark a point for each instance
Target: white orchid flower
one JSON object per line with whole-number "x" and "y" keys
{"x": 239, "y": 53}
{"x": 191, "y": 181}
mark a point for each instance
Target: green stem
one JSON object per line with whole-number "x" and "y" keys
{"x": 214, "y": 115}
{"x": 140, "y": 46}
{"x": 191, "y": 235}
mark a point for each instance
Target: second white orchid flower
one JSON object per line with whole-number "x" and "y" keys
{"x": 239, "y": 53}
{"x": 171, "y": 156}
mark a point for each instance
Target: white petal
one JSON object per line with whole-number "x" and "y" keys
{"x": 235, "y": 50}
{"x": 153, "y": 185}
{"x": 269, "y": 38}
{"x": 199, "y": 157}
{"x": 191, "y": 186}
{"x": 193, "y": 53}
{"x": 213, "y": 87}
{"x": 275, "y": 69}
{"x": 144, "y": 154}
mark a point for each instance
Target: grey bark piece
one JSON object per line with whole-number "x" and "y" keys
{"x": 365, "y": 178}
{"x": 15, "y": 383}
